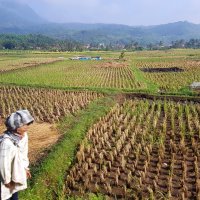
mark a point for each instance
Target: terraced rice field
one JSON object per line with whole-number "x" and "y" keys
{"x": 140, "y": 148}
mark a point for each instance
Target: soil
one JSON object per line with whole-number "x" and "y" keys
{"x": 112, "y": 64}
{"x": 41, "y": 137}
{"x": 169, "y": 69}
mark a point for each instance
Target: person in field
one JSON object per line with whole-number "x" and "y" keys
{"x": 14, "y": 161}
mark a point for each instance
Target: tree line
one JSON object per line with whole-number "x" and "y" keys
{"x": 192, "y": 43}
{"x": 137, "y": 46}
{"x": 37, "y": 42}
{"x": 41, "y": 42}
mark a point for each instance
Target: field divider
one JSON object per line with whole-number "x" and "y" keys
{"x": 140, "y": 78}
{"x": 175, "y": 98}
{"x": 32, "y": 66}
{"x": 49, "y": 176}
{"x": 69, "y": 88}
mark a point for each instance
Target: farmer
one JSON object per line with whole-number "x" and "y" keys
{"x": 14, "y": 161}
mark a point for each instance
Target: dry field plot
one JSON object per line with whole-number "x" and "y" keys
{"x": 41, "y": 137}
{"x": 46, "y": 105}
{"x": 142, "y": 149}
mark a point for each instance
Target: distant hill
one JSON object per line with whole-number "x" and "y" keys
{"x": 21, "y": 19}
{"x": 15, "y": 15}
{"x": 113, "y": 33}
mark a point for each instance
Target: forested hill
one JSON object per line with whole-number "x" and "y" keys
{"x": 111, "y": 33}
{"x": 105, "y": 33}
{"x": 15, "y": 15}
{"x": 21, "y": 19}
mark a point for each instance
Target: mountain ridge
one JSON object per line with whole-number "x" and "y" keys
{"x": 19, "y": 18}
{"x": 15, "y": 14}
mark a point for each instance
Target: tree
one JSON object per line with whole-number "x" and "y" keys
{"x": 8, "y": 45}
{"x": 160, "y": 44}
{"x": 121, "y": 56}
{"x": 150, "y": 46}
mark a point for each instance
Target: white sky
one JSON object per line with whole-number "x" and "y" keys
{"x": 130, "y": 12}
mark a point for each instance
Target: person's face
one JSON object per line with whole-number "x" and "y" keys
{"x": 21, "y": 130}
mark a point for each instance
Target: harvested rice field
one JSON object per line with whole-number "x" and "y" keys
{"x": 141, "y": 149}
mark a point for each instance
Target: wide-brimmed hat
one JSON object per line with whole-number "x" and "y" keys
{"x": 18, "y": 119}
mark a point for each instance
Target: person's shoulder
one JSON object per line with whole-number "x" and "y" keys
{"x": 7, "y": 142}
{"x": 7, "y": 148}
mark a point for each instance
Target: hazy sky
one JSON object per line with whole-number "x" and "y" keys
{"x": 130, "y": 12}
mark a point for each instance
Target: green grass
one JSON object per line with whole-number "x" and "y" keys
{"x": 80, "y": 74}
{"x": 49, "y": 176}
{"x": 150, "y": 86}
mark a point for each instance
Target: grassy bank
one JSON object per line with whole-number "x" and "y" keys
{"x": 150, "y": 87}
{"x": 48, "y": 178}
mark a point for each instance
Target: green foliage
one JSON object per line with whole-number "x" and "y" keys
{"x": 150, "y": 86}
{"x": 122, "y": 55}
{"x": 106, "y": 36}
{"x": 35, "y": 42}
